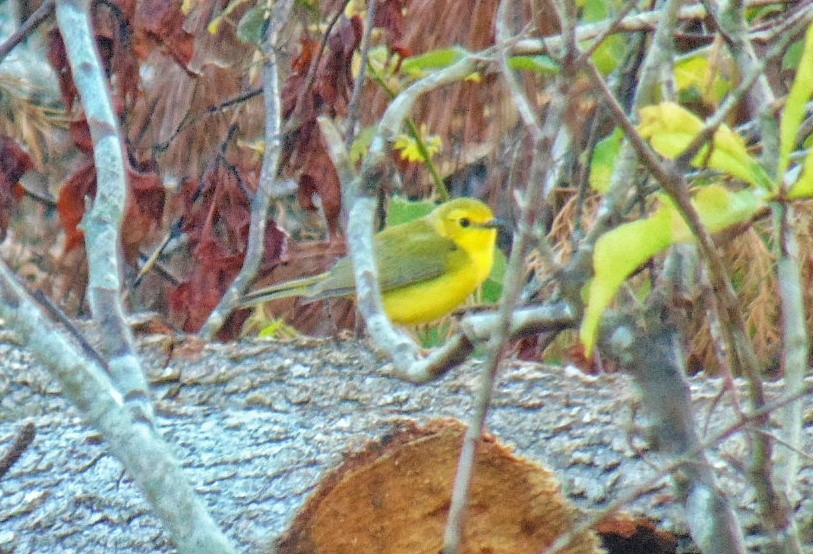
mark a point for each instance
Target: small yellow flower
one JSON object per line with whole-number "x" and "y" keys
{"x": 409, "y": 146}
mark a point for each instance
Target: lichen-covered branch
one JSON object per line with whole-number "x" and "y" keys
{"x": 102, "y": 223}
{"x": 134, "y": 441}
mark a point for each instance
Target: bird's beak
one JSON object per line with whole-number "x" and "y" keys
{"x": 495, "y": 223}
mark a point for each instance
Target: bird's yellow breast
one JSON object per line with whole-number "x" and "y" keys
{"x": 432, "y": 299}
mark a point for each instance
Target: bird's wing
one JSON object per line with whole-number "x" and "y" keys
{"x": 406, "y": 259}
{"x": 339, "y": 281}
{"x": 403, "y": 259}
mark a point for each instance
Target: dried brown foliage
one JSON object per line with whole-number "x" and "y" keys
{"x": 320, "y": 84}
{"x": 167, "y": 73}
{"x": 216, "y": 221}
{"x": 189, "y": 106}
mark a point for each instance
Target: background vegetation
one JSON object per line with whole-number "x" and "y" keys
{"x": 653, "y": 159}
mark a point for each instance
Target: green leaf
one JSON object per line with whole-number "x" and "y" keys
{"x": 798, "y": 96}
{"x": 432, "y": 336}
{"x": 718, "y": 209}
{"x": 361, "y": 145}
{"x": 604, "y": 156}
{"x": 621, "y": 251}
{"x": 401, "y": 210}
{"x": 492, "y": 287}
{"x": 540, "y": 63}
{"x": 670, "y": 128}
{"x": 704, "y": 77}
{"x": 793, "y": 55}
{"x": 434, "y": 59}
{"x": 250, "y": 27}
{"x": 278, "y": 329}
{"x": 617, "y": 254}
{"x": 803, "y": 188}
{"x": 609, "y": 54}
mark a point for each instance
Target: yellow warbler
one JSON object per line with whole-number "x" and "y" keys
{"x": 426, "y": 267}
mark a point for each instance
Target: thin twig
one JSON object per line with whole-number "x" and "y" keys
{"x": 741, "y": 424}
{"x": 190, "y": 120}
{"x": 512, "y": 284}
{"x": 610, "y": 29}
{"x": 646, "y": 21}
{"x": 358, "y": 85}
{"x": 34, "y": 20}
{"x": 310, "y": 78}
{"x": 261, "y": 200}
{"x": 21, "y": 443}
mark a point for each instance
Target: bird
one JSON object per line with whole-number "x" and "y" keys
{"x": 427, "y": 267}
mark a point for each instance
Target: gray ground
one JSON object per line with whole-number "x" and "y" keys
{"x": 257, "y": 423}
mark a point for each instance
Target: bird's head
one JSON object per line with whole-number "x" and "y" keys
{"x": 469, "y": 223}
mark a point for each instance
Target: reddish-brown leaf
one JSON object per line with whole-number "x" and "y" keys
{"x": 309, "y": 49}
{"x": 161, "y": 22}
{"x": 329, "y": 95}
{"x": 143, "y": 213}
{"x": 216, "y": 220}
{"x": 58, "y": 58}
{"x": 14, "y": 162}
{"x": 71, "y": 202}
{"x": 334, "y": 81}
{"x": 389, "y": 15}
{"x": 293, "y": 92}
{"x": 80, "y": 133}
{"x": 319, "y": 177}
{"x": 213, "y": 271}
{"x": 145, "y": 209}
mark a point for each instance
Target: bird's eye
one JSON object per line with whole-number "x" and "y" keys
{"x": 465, "y": 222}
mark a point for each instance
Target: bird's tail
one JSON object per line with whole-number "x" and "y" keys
{"x": 288, "y": 289}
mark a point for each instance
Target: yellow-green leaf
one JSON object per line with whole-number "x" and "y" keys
{"x": 361, "y": 145}
{"x": 619, "y": 252}
{"x": 540, "y": 63}
{"x": 718, "y": 208}
{"x": 670, "y": 128}
{"x": 803, "y": 188}
{"x": 798, "y": 96}
{"x": 610, "y": 53}
{"x": 434, "y": 59}
{"x": 604, "y": 156}
{"x": 278, "y": 329}
{"x": 704, "y": 76}
{"x": 612, "y": 50}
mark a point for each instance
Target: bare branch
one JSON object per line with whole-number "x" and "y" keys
{"x": 261, "y": 200}
{"x": 18, "y": 447}
{"x": 135, "y": 442}
{"x": 102, "y": 224}
{"x": 532, "y": 204}
{"x": 34, "y": 20}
